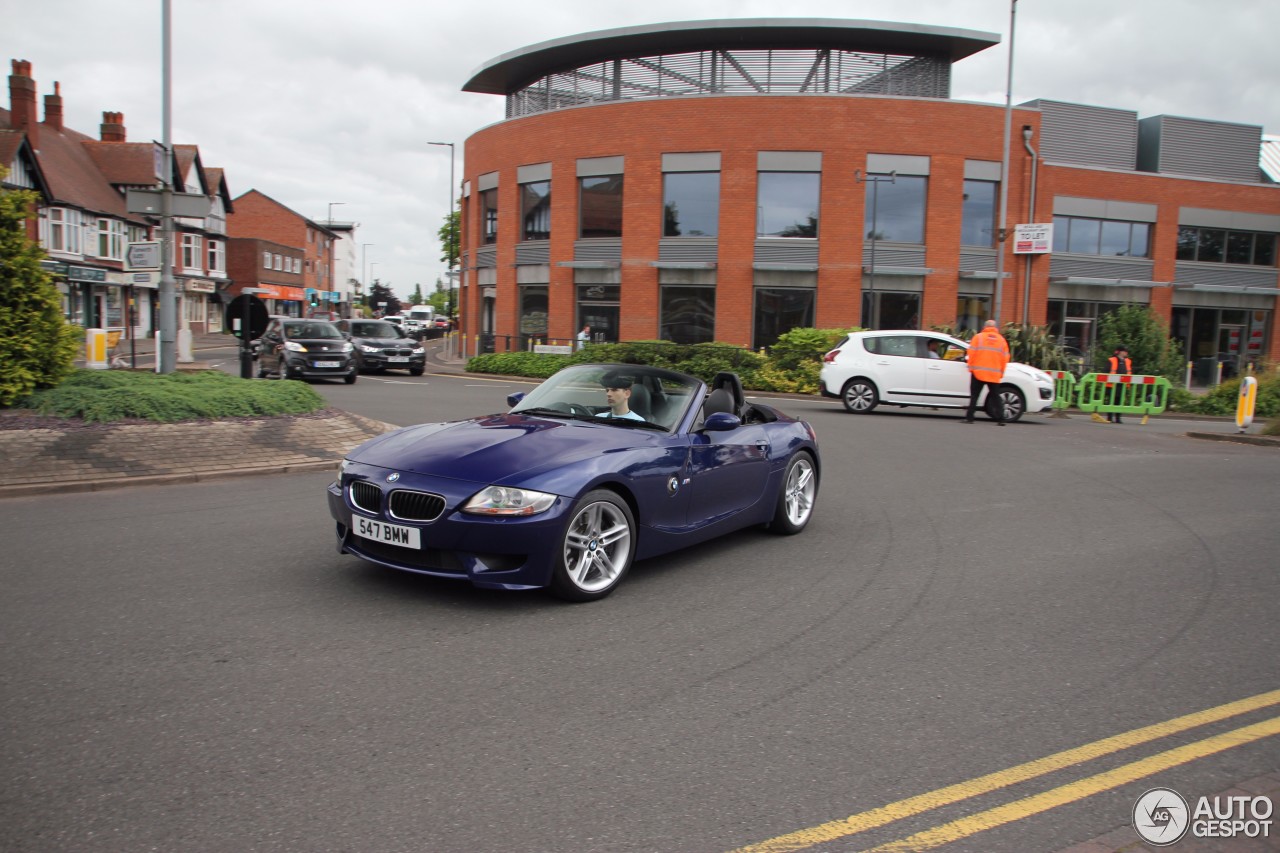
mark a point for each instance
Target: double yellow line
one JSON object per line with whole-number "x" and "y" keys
{"x": 1038, "y": 803}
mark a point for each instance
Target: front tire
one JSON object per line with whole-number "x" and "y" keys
{"x": 799, "y": 492}
{"x": 596, "y": 548}
{"x": 350, "y": 378}
{"x": 859, "y": 396}
{"x": 1007, "y": 401}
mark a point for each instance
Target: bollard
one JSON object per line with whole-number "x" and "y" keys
{"x": 1245, "y": 403}
{"x": 95, "y": 349}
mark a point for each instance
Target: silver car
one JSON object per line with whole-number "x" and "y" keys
{"x": 914, "y": 368}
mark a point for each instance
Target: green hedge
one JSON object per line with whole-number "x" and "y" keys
{"x": 104, "y": 396}
{"x": 1223, "y": 399}
{"x": 791, "y": 364}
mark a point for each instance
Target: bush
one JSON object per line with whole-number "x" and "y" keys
{"x": 104, "y": 396}
{"x": 1223, "y": 399}
{"x": 1151, "y": 350}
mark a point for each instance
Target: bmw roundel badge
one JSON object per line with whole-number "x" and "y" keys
{"x": 391, "y": 478}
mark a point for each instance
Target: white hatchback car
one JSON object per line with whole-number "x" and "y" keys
{"x": 913, "y": 368}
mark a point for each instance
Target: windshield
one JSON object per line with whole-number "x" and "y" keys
{"x": 619, "y": 394}
{"x": 375, "y": 330}
{"x": 312, "y": 330}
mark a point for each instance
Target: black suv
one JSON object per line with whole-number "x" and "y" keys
{"x": 382, "y": 346}
{"x": 306, "y": 349}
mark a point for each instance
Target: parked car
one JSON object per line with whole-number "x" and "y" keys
{"x": 380, "y": 345}
{"x": 896, "y": 368}
{"x": 554, "y": 494}
{"x": 319, "y": 314}
{"x": 306, "y": 349}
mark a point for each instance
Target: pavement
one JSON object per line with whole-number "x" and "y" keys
{"x": 50, "y": 455}
{"x": 44, "y": 455}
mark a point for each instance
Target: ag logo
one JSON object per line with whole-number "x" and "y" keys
{"x": 1161, "y": 817}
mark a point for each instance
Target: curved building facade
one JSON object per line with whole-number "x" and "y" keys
{"x": 731, "y": 180}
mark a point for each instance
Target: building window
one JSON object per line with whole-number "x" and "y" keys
{"x": 110, "y": 242}
{"x": 1081, "y": 235}
{"x": 690, "y": 204}
{"x": 897, "y": 209}
{"x": 885, "y": 309}
{"x": 971, "y": 313}
{"x": 266, "y": 260}
{"x": 688, "y": 315}
{"x": 978, "y": 214}
{"x": 600, "y": 206}
{"x": 1217, "y": 245}
{"x": 787, "y": 204}
{"x": 63, "y": 234}
{"x": 598, "y": 307}
{"x": 279, "y": 262}
{"x": 192, "y": 244}
{"x": 217, "y": 256}
{"x": 778, "y": 310}
{"x": 534, "y": 306}
{"x": 535, "y": 211}
{"x": 489, "y": 216}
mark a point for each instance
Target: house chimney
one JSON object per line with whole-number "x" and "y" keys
{"x": 112, "y": 129}
{"x": 22, "y": 101}
{"x": 53, "y": 108}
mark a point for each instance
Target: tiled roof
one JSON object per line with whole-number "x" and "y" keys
{"x": 127, "y": 163}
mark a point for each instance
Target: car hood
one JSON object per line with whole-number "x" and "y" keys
{"x": 320, "y": 344}
{"x": 505, "y": 448}
{"x": 383, "y": 342}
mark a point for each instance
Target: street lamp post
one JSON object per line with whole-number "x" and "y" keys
{"x": 364, "y": 266}
{"x": 452, "y": 248}
{"x": 875, "y": 181}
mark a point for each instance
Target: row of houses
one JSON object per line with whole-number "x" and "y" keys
{"x": 85, "y": 225}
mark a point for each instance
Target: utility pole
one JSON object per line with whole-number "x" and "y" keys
{"x": 1002, "y": 227}
{"x": 168, "y": 296}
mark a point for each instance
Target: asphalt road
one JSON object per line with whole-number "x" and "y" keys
{"x": 195, "y": 668}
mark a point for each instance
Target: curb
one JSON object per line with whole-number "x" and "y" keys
{"x": 35, "y": 489}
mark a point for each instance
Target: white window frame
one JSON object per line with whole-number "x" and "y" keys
{"x": 62, "y": 231}
{"x": 192, "y": 251}
{"x": 109, "y": 239}
{"x": 216, "y": 252}
{"x": 266, "y": 260}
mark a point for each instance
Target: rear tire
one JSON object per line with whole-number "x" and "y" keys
{"x": 859, "y": 396}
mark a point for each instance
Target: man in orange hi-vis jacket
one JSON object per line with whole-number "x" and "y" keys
{"x": 988, "y": 354}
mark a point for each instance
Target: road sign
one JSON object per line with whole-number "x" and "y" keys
{"x": 142, "y": 256}
{"x": 187, "y": 205}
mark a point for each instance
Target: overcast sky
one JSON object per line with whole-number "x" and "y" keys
{"x": 318, "y": 101}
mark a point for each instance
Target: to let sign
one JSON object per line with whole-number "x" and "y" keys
{"x": 142, "y": 256}
{"x": 1033, "y": 239}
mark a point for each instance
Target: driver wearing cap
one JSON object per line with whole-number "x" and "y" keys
{"x": 617, "y": 393}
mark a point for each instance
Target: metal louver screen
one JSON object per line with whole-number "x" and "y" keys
{"x": 730, "y": 72}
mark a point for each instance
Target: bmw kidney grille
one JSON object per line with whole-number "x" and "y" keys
{"x": 415, "y": 506}
{"x": 366, "y": 496}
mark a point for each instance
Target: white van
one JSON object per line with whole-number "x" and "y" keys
{"x": 418, "y": 319}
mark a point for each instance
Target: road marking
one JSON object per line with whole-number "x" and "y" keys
{"x": 1069, "y": 793}
{"x": 920, "y": 803}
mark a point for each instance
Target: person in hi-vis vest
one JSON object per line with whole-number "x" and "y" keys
{"x": 1118, "y": 363}
{"x": 988, "y": 354}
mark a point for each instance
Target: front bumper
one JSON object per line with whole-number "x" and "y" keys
{"x": 379, "y": 361}
{"x": 307, "y": 365}
{"x": 491, "y": 553}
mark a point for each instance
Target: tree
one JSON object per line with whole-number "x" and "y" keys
{"x": 448, "y": 234}
{"x": 37, "y": 346}
{"x": 416, "y": 298}
{"x": 1146, "y": 336}
{"x": 382, "y": 299}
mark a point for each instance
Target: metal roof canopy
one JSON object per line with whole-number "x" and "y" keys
{"x": 512, "y": 71}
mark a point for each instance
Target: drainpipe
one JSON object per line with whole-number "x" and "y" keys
{"x": 1031, "y": 217}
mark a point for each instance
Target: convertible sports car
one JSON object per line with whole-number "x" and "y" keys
{"x": 600, "y": 465}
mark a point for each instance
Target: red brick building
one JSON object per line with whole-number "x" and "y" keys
{"x": 302, "y": 264}
{"x": 732, "y": 180}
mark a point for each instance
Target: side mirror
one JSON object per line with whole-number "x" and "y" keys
{"x": 514, "y": 399}
{"x": 721, "y": 422}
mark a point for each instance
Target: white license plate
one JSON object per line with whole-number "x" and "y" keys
{"x": 391, "y": 534}
{"x": 328, "y": 364}
{"x": 398, "y": 359}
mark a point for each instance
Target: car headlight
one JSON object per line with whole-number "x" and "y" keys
{"x": 292, "y": 346}
{"x": 504, "y": 500}
{"x": 347, "y": 347}
{"x": 346, "y": 463}
{"x": 419, "y": 350}
{"x": 364, "y": 348}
